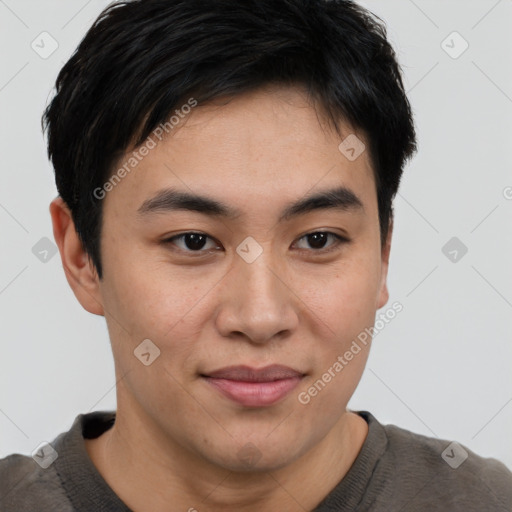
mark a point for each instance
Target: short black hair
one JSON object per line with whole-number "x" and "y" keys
{"x": 142, "y": 59}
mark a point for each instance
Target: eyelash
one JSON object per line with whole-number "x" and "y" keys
{"x": 339, "y": 241}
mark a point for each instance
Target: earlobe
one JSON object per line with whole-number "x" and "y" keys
{"x": 385, "y": 252}
{"x": 78, "y": 267}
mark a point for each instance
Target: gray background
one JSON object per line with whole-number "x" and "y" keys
{"x": 440, "y": 368}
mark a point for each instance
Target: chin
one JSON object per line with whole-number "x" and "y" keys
{"x": 256, "y": 456}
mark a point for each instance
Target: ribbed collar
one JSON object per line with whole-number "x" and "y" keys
{"x": 84, "y": 485}
{"x": 368, "y": 477}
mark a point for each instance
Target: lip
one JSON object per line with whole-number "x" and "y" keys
{"x": 254, "y": 387}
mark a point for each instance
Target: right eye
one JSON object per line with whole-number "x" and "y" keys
{"x": 190, "y": 242}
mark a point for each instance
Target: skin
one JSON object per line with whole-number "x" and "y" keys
{"x": 176, "y": 441}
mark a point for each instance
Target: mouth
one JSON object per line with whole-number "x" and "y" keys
{"x": 254, "y": 387}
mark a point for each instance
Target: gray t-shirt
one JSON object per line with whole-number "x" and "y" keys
{"x": 396, "y": 470}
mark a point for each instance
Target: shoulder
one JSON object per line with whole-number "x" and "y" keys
{"x": 26, "y": 486}
{"x": 449, "y": 471}
{"x": 59, "y": 474}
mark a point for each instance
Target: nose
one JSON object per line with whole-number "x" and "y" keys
{"x": 257, "y": 302}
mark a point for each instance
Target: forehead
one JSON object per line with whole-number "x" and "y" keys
{"x": 268, "y": 144}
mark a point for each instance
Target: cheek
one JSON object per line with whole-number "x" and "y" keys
{"x": 344, "y": 301}
{"x": 148, "y": 293}
{"x": 168, "y": 305}
{"x": 345, "y": 296}
{"x": 339, "y": 357}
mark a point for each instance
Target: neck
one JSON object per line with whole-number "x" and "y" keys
{"x": 149, "y": 471}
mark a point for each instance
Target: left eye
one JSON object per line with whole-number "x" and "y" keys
{"x": 196, "y": 242}
{"x": 318, "y": 239}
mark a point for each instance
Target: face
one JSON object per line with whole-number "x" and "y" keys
{"x": 240, "y": 284}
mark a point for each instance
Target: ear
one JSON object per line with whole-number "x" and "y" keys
{"x": 386, "y": 249}
{"x": 78, "y": 267}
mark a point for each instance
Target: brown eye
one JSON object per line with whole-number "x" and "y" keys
{"x": 190, "y": 242}
{"x": 318, "y": 241}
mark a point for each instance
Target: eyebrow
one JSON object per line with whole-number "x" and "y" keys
{"x": 169, "y": 199}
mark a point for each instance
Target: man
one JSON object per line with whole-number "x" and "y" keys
{"x": 226, "y": 172}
